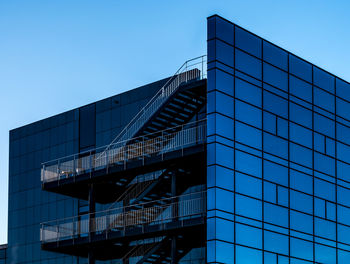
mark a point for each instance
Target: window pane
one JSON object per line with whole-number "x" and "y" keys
{"x": 300, "y": 68}
{"x": 275, "y": 77}
{"x": 324, "y": 80}
{"x": 275, "y": 104}
{"x": 248, "y": 64}
{"x": 248, "y": 163}
{"x": 248, "y": 92}
{"x": 275, "y": 55}
{"x": 248, "y": 207}
{"x": 247, "y": 42}
{"x": 300, "y": 88}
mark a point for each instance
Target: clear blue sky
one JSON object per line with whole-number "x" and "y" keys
{"x": 58, "y": 55}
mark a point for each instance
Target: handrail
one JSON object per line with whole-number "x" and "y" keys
{"x": 167, "y": 140}
{"x": 137, "y": 188}
{"x": 159, "y": 211}
{"x": 185, "y": 73}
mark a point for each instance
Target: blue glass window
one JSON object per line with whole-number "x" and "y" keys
{"x": 224, "y": 230}
{"x": 300, "y": 88}
{"x": 248, "y": 185}
{"x": 248, "y": 114}
{"x": 247, "y": 42}
{"x": 276, "y": 242}
{"x": 275, "y": 55}
{"x": 270, "y": 193}
{"x": 343, "y": 108}
{"x": 275, "y": 77}
{"x": 248, "y": 64}
{"x": 224, "y": 104}
{"x": 343, "y": 214}
{"x": 301, "y": 222}
{"x": 343, "y": 195}
{"x": 300, "y": 155}
{"x": 248, "y": 236}
{"x": 276, "y": 215}
{"x": 246, "y": 255}
{"x": 224, "y": 53}
{"x": 324, "y": 228}
{"x": 343, "y": 171}
{"x": 228, "y": 197}
{"x": 283, "y": 196}
{"x": 344, "y": 234}
{"x": 343, "y": 152}
{"x": 248, "y": 207}
{"x": 343, "y": 133}
{"x": 343, "y": 256}
{"x": 324, "y": 80}
{"x": 223, "y": 30}
{"x": 224, "y": 178}
{"x": 324, "y": 164}
{"x": 275, "y": 104}
{"x": 224, "y": 252}
{"x": 301, "y": 202}
{"x": 248, "y": 92}
{"x": 324, "y": 99}
{"x": 320, "y": 207}
{"x": 301, "y": 181}
{"x": 224, "y": 126}
{"x": 275, "y": 145}
{"x": 325, "y": 254}
{"x": 300, "y": 68}
{"x": 343, "y": 89}
{"x": 275, "y": 173}
{"x": 300, "y": 115}
{"x": 301, "y": 249}
{"x": 282, "y": 127}
{"x": 330, "y": 211}
{"x": 248, "y": 163}
{"x": 270, "y": 123}
{"x": 300, "y": 135}
{"x": 224, "y": 82}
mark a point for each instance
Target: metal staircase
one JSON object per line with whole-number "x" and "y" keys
{"x": 165, "y": 130}
{"x": 161, "y": 252}
{"x": 179, "y": 111}
{"x": 139, "y": 250}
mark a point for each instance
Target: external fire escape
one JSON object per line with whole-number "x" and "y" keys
{"x": 151, "y": 179}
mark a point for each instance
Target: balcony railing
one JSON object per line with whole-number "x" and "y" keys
{"x": 160, "y": 143}
{"x": 177, "y": 208}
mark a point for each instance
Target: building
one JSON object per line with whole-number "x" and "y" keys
{"x": 241, "y": 157}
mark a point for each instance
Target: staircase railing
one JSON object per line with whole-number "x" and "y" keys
{"x": 138, "y": 251}
{"x": 71, "y": 166}
{"x": 155, "y": 212}
{"x": 137, "y": 186}
{"x": 193, "y": 69}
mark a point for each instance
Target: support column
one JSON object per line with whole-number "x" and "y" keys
{"x": 173, "y": 250}
{"x": 92, "y": 209}
{"x": 91, "y": 257}
{"x": 173, "y": 194}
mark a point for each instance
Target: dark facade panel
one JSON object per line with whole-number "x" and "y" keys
{"x": 52, "y": 138}
{"x": 87, "y": 127}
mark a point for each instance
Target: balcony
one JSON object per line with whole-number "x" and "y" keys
{"x": 123, "y": 161}
{"x": 118, "y": 227}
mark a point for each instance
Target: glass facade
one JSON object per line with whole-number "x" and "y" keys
{"x": 278, "y": 167}
{"x": 68, "y": 133}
